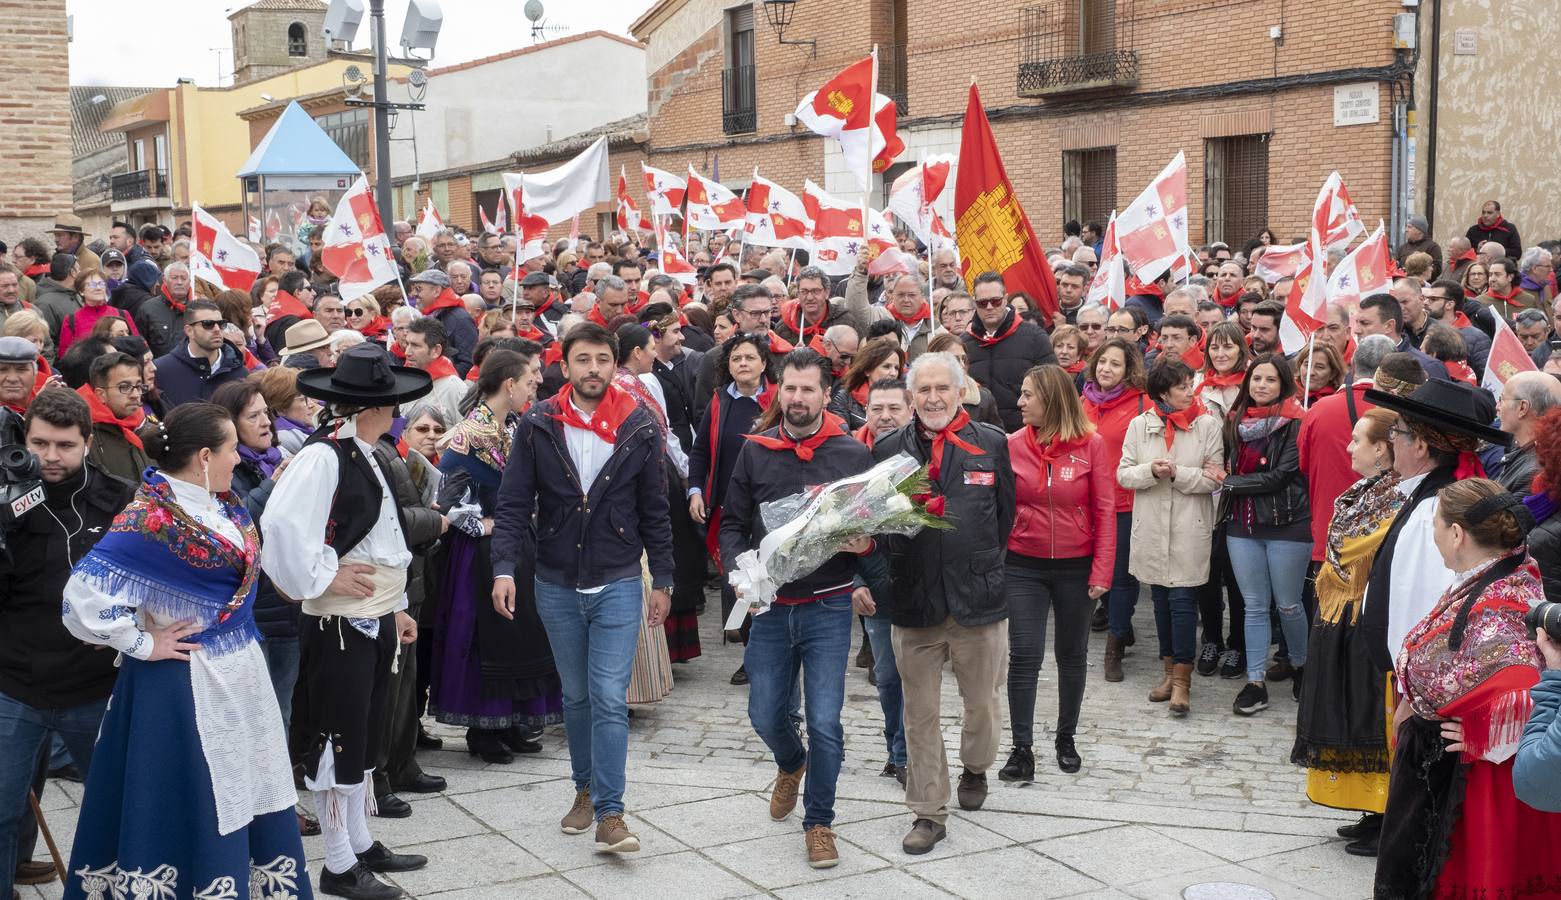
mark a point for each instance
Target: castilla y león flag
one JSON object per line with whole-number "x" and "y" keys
{"x": 356, "y": 247}
{"x": 991, "y": 228}
{"x": 217, "y": 257}
{"x": 849, "y": 109}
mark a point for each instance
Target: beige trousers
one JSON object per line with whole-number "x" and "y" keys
{"x": 980, "y": 657}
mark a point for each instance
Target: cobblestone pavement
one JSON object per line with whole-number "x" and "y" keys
{"x": 1163, "y": 808}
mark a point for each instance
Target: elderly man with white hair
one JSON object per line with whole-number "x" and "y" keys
{"x": 1525, "y": 398}
{"x": 1537, "y": 266}
{"x": 949, "y": 601}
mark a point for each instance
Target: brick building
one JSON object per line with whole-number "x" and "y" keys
{"x": 1089, "y": 99}
{"x": 35, "y": 116}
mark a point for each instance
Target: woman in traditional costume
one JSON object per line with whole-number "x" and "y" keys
{"x": 1342, "y": 727}
{"x": 1454, "y": 826}
{"x": 191, "y": 791}
{"x": 492, "y": 674}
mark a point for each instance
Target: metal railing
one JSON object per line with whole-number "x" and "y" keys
{"x": 893, "y": 77}
{"x": 1076, "y": 45}
{"x": 140, "y": 185}
{"x": 739, "y": 101}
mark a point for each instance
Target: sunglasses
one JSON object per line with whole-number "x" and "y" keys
{"x": 208, "y": 324}
{"x": 1094, "y": 327}
{"x": 353, "y": 313}
{"x": 994, "y": 303}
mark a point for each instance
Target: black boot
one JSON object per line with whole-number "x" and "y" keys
{"x": 379, "y": 858}
{"x": 1369, "y": 826}
{"x": 1067, "y": 756}
{"x": 357, "y": 883}
{"x": 1101, "y": 618}
{"x": 1020, "y": 765}
{"x": 514, "y": 737}
{"x": 486, "y": 744}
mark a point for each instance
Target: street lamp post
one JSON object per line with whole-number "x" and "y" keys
{"x": 381, "y": 113}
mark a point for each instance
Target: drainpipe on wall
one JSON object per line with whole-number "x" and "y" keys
{"x": 1430, "y": 142}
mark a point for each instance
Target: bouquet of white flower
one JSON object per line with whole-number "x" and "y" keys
{"x": 806, "y": 529}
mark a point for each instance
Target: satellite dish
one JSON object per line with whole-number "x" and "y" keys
{"x": 533, "y": 10}
{"x": 417, "y": 78}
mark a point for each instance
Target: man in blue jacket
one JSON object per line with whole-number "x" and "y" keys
{"x": 202, "y": 362}
{"x": 587, "y": 462}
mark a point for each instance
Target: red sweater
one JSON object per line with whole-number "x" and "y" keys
{"x": 1067, "y": 509}
{"x": 1325, "y": 459}
{"x": 1111, "y": 421}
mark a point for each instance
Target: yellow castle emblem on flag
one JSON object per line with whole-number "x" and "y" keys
{"x": 840, "y": 103}
{"x": 991, "y": 232}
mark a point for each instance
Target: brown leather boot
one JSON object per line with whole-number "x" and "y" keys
{"x": 1181, "y": 689}
{"x": 1162, "y": 691}
{"x": 1113, "y": 658}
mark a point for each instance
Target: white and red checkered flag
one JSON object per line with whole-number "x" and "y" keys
{"x": 1365, "y": 271}
{"x": 273, "y": 225}
{"x": 1507, "y": 358}
{"x": 629, "y": 216}
{"x": 671, "y": 260}
{"x": 356, "y": 246}
{"x": 663, "y": 191}
{"x": 217, "y": 257}
{"x": 849, "y": 109}
{"x": 1152, "y": 231}
{"x": 1109, "y": 286}
{"x": 530, "y": 231}
{"x": 1335, "y": 217}
{"x": 839, "y": 233}
{"x": 711, "y": 205}
{"x": 1280, "y": 262}
{"x": 776, "y": 217}
{"x": 918, "y": 199}
{"x": 428, "y": 222}
{"x": 487, "y": 226}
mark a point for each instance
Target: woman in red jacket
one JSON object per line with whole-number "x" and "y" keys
{"x": 1060, "y": 556}
{"x": 1113, "y": 397}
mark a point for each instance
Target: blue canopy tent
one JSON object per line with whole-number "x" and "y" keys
{"x": 294, "y": 164}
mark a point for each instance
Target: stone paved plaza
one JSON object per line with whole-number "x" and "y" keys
{"x": 1206, "y": 807}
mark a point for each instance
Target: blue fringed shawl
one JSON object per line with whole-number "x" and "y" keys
{"x": 163, "y": 561}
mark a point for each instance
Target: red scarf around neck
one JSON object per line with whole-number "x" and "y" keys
{"x": 1507, "y": 297}
{"x": 791, "y": 314}
{"x": 1077, "y": 366}
{"x": 922, "y": 314}
{"x": 532, "y": 334}
{"x": 173, "y": 304}
{"x": 447, "y": 299}
{"x": 102, "y": 415}
{"x": 1499, "y": 225}
{"x": 595, "y": 315}
{"x": 1181, "y": 420}
{"x": 282, "y": 305}
{"x": 37, "y": 270}
{"x": 1193, "y": 357}
{"x": 779, "y": 346}
{"x": 1053, "y": 450}
{"x": 832, "y": 427}
{"x": 1233, "y": 378}
{"x": 1228, "y": 302}
{"x": 949, "y": 435}
{"x": 865, "y": 435}
{"x": 1467, "y": 255}
{"x": 986, "y": 340}
{"x": 615, "y": 406}
{"x": 1289, "y": 408}
{"x": 441, "y": 368}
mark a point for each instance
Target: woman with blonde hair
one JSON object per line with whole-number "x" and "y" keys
{"x": 1060, "y": 556}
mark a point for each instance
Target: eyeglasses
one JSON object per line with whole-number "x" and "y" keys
{"x": 130, "y": 387}
{"x": 958, "y": 313}
{"x": 95, "y": 284}
{"x": 1408, "y": 435}
{"x": 993, "y": 303}
{"x": 1118, "y": 329}
{"x": 755, "y": 313}
{"x": 208, "y": 324}
{"x": 811, "y": 292}
{"x": 353, "y": 313}
{"x": 1094, "y": 326}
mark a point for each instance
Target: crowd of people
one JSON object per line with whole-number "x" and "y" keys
{"x": 493, "y": 494}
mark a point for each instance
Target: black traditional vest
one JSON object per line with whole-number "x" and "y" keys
{"x": 355, "y": 505}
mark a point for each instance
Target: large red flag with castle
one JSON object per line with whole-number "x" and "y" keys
{"x": 991, "y": 228}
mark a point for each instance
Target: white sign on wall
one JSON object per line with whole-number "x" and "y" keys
{"x": 1356, "y": 104}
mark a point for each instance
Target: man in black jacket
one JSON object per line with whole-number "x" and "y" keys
{"x": 948, "y": 593}
{"x": 591, "y": 472}
{"x": 808, "y": 628}
{"x": 1001, "y": 347}
{"x": 50, "y": 683}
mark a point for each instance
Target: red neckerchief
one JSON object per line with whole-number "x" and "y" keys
{"x": 1460, "y": 321}
{"x": 40, "y": 381}
{"x": 1290, "y": 408}
{"x": 376, "y": 328}
{"x": 860, "y": 392}
{"x": 779, "y": 346}
{"x": 1181, "y": 420}
{"x": 1507, "y": 297}
{"x": 831, "y": 428}
{"x": 102, "y": 415}
{"x": 595, "y": 315}
{"x": 987, "y": 340}
{"x": 554, "y": 354}
{"x": 474, "y": 373}
{"x": 1468, "y": 255}
{"x": 1193, "y": 357}
{"x": 1471, "y": 294}
{"x": 397, "y": 352}
{"x": 548, "y": 303}
{"x": 285, "y": 304}
{"x": 1055, "y": 449}
{"x": 532, "y": 334}
{"x": 791, "y": 314}
{"x": 1077, "y": 367}
{"x": 1499, "y": 225}
{"x": 1233, "y": 378}
{"x": 949, "y": 435}
{"x": 441, "y": 368}
{"x": 1319, "y": 393}
{"x": 637, "y": 304}
{"x": 1461, "y": 372}
{"x": 447, "y": 299}
{"x": 1135, "y": 288}
{"x": 865, "y": 435}
{"x": 173, "y": 304}
{"x": 922, "y": 314}
{"x": 615, "y": 406}
{"x": 35, "y": 271}
{"x": 1230, "y": 301}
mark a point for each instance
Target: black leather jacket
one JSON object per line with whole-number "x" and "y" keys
{"x": 1544, "y": 545}
{"x": 1278, "y": 488}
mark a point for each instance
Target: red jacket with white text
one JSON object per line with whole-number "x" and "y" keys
{"x": 1066, "y": 509}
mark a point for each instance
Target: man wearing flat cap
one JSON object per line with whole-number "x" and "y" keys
{"x": 18, "y": 383}
{"x": 435, "y": 299}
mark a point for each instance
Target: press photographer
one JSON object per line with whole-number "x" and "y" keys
{"x": 49, "y": 681}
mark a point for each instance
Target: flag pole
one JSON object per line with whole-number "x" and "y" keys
{"x": 1311, "y": 348}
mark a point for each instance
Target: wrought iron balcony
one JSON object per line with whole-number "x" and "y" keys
{"x": 739, "y": 104}
{"x": 893, "y": 77}
{"x": 1069, "y": 46}
{"x": 141, "y": 185}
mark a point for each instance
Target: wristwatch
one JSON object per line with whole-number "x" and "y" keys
{"x": 664, "y": 588}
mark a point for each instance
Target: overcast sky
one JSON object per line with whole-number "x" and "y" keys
{"x": 116, "y": 43}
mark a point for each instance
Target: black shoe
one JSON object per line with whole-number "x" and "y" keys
{"x": 864, "y": 656}
{"x": 1295, "y": 683}
{"x": 67, "y": 772}
{"x": 1281, "y": 670}
{"x": 1020, "y": 766}
{"x": 1362, "y": 847}
{"x": 1209, "y": 658}
{"x": 426, "y": 741}
{"x": 972, "y": 790}
{"x": 1101, "y": 619}
{"x": 357, "y": 883}
{"x": 1067, "y": 755}
{"x": 1132, "y": 637}
{"x": 890, "y": 770}
{"x": 390, "y": 806}
{"x": 1369, "y": 826}
{"x": 740, "y": 676}
{"x": 1233, "y": 664}
{"x": 1253, "y": 699}
{"x": 487, "y": 745}
{"x": 515, "y": 739}
{"x": 422, "y": 783}
{"x": 379, "y": 858}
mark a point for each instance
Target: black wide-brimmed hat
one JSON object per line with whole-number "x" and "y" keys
{"x": 364, "y": 375}
{"x": 1449, "y": 406}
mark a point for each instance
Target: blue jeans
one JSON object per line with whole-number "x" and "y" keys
{"x": 593, "y": 638}
{"x": 890, "y": 696}
{"x": 1271, "y": 571}
{"x": 816, "y": 639}
{"x": 24, "y": 737}
{"x": 1176, "y": 621}
{"x": 1124, "y": 587}
{"x": 282, "y": 662}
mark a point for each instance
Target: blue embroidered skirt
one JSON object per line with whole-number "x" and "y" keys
{"x": 148, "y": 825}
